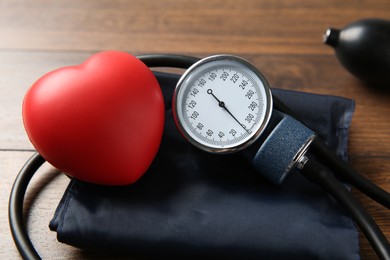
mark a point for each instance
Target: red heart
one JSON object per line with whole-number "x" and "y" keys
{"x": 101, "y": 121}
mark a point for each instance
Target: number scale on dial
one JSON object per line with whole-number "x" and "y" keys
{"x": 236, "y": 91}
{"x": 221, "y": 104}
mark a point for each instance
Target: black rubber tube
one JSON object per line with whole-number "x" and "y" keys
{"x": 320, "y": 175}
{"x": 347, "y": 173}
{"x": 15, "y": 207}
{"x": 340, "y": 167}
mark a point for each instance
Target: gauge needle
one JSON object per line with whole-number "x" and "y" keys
{"x": 222, "y": 104}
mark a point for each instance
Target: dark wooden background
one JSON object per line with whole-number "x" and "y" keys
{"x": 281, "y": 37}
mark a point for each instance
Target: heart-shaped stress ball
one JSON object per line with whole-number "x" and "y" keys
{"x": 100, "y": 122}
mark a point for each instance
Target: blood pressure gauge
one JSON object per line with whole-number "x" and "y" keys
{"x": 222, "y": 104}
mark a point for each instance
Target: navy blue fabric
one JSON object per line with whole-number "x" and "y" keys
{"x": 194, "y": 204}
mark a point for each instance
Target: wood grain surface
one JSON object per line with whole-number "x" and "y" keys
{"x": 282, "y": 38}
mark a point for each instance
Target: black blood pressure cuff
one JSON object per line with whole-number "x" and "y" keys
{"x": 194, "y": 204}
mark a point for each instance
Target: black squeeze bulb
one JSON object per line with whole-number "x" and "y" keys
{"x": 363, "y": 48}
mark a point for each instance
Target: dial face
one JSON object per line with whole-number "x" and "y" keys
{"x": 222, "y": 104}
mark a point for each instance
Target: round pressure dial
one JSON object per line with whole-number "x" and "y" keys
{"x": 222, "y": 104}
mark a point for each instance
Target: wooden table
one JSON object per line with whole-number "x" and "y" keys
{"x": 282, "y": 38}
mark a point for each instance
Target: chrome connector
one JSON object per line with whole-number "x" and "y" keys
{"x": 301, "y": 162}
